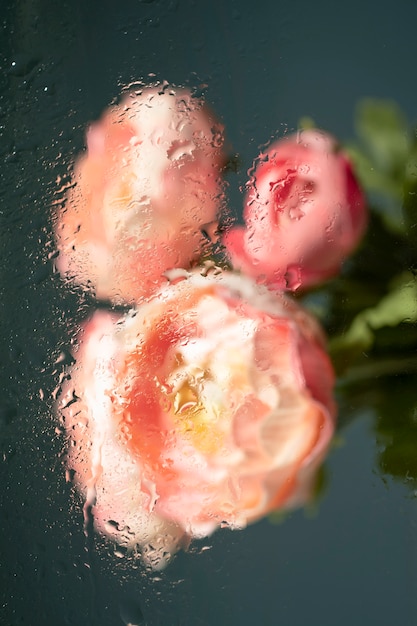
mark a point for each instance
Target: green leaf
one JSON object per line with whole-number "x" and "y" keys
{"x": 396, "y": 428}
{"x": 385, "y": 192}
{"x": 383, "y": 128}
{"x": 397, "y": 307}
{"x": 410, "y": 194}
{"x": 371, "y": 178}
{"x": 306, "y": 123}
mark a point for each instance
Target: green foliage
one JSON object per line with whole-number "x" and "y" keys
{"x": 383, "y": 129}
{"x": 396, "y": 428}
{"x": 370, "y": 310}
{"x": 397, "y": 308}
{"x": 384, "y": 157}
{"x": 410, "y": 193}
{"x": 306, "y": 123}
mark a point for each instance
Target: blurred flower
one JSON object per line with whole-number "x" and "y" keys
{"x": 211, "y": 404}
{"x": 147, "y": 186}
{"x": 304, "y": 213}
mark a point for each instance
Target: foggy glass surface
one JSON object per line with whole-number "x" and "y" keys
{"x": 261, "y": 67}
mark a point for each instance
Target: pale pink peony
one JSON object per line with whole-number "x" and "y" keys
{"x": 147, "y": 185}
{"x": 304, "y": 213}
{"x": 211, "y": 404}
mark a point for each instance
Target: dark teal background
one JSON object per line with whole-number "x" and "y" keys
{"x": 265, "y": 65}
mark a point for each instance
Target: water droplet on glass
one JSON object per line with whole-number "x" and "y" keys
{"x": 22, "y": 65}
{"x": 131, "y": 613}
{"x": 65, "y": 358}
{"x": 176, "y": 274}
{"x": 293, "y": 277}
{"x": 210, "y": 231}
{"x": 111, "y": 526}
{"x": 295, "y": 212}
{"x": 180, "y": 149}
{"x": 69, "y": 475}
{"x": 120, "y": 552}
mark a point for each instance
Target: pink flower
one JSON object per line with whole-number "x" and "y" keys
{"x": 304, "y": 213}
{"x": 146, "y": 187}
{"x": 210, "y": 404}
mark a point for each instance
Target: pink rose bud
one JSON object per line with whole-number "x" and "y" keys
{"x": 211, "y": 404}
{"x": 304, "y": 213}
{"x": 147, "y": 186}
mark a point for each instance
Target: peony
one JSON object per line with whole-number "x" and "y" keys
{"x": 147, "y": 186}
{"x": 211, "y": 404}
{"x": 304, "y": 213}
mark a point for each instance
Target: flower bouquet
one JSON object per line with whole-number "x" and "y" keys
{"x": 203, "y": 393}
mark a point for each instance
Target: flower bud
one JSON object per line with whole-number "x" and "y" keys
{"x": 304, "y": 213}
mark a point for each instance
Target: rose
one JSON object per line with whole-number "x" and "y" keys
{"x": 210, "y": 404}
{"x": 146, "y": 187}
{"x": 304, "y": 213}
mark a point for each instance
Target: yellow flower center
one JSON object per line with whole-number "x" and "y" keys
{"x": 196, "y": 411}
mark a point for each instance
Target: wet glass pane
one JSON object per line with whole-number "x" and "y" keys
{"x": 197, "y": 137}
